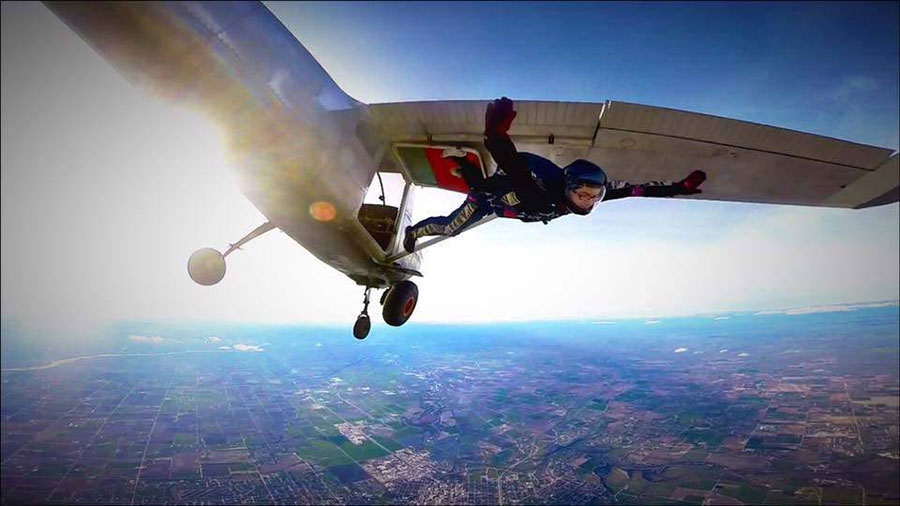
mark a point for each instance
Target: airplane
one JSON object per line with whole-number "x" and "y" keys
{"x": 306, "y": 153}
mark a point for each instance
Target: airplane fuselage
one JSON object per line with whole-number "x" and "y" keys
{"x": 302, "y": 148}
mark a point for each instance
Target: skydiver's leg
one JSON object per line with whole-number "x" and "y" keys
{"x": 472, "y": 210}
{"x": 466, "y": 215}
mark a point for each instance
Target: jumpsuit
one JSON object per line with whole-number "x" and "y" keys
{"x": 526, "y": 187}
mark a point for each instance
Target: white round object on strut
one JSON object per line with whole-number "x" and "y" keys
{"x": 206, "y": 266}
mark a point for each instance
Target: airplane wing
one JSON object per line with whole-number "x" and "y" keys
{"x": 745, "y": 162}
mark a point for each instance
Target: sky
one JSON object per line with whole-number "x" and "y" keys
{"x": 106, "y": 191}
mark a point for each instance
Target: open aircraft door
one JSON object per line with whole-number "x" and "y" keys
{"x": 430, "y": 166}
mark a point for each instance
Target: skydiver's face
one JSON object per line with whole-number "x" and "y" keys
{"x": 586, "y": 197}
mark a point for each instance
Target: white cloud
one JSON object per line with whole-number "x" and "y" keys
{"x": 248, "y": 347}
{"x": 681, "y": 350}
{"x": 829, "y": 308}
{"x": 213, "y": 339}
{"x": 146, "y": 339}
{"x": 768, "y": 312}
{"x": 854, "y": 86}
{"x": 841, "y": 308}
{"x": 878, "y": 304}
{"x": 743, "y": 354}
{"x": 224, "y": 347}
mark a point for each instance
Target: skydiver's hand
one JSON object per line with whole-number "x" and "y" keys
{"x": 691, "y": 184}
{"x": 498, "y": 117}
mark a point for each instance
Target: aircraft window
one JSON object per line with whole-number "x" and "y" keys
{"x": 393, "y": 189}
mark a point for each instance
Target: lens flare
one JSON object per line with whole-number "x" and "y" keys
{"x": 322, "y": 211}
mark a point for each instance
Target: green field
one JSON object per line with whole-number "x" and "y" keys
{"x": 390, "y": 444}
{"x": 781, "y": 498}
{"x": 52, "y": 469}
{"x": 169, "y": 406}
{"x": 639, "y": 485}
{"x": 593, "y": 466}
{"x": 696, "y": 454}
{"x": 841, "y": 495}
{"x": 406, "y": 431}
{"x": 703, "y": 436}
{"x": 325, "y": 427}
{"x": 185, "y": 439}
{"x": 324, "y": 453}
{"x": 698, "y": 485}
{"x": 393, "y": 408}
{"x": 363, "y": 452}
{"x": 743, "y": 492}
{"x": 501, "y": 458}
{"x": 294, "y": 431}
{"x": 598, "y": 404}
{"x": 237, "y": 467}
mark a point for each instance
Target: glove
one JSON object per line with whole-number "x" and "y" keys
{"x": 691, "y": 184}
{"x": 498, "y": 117}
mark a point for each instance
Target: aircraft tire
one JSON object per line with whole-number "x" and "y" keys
{"x": 400, "y": 303}
{"x": 362, "y": 326}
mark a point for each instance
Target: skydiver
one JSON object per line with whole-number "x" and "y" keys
{"x": 531, "y": 188}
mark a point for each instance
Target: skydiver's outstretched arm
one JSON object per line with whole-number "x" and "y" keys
{"x": 622, "y": 189}
{"x": 497, "y": 119}
{"x": 687, "y": 186}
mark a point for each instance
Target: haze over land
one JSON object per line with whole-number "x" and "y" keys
{"x": 798, "y": 407}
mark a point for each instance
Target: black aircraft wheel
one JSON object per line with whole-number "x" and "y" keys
{"x": 400, "y": 303}
{"x": 362, "y": 326}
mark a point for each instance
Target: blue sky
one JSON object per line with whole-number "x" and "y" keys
{"x": 105, "y": 192}
{"x": 787, "y": 64}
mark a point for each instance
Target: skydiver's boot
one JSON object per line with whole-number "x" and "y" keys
{"x": 409, "y": 240}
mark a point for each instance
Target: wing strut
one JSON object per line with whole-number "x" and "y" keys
{"x": 256, "y": 232}
{"x": 436, "y": 240}
{"x": 207, "y": 266}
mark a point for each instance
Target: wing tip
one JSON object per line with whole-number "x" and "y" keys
{"x": 888, "y": 197}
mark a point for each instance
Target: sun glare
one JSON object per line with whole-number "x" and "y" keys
{"x": 202, "y": 141}
{"x": 322, "y": 211}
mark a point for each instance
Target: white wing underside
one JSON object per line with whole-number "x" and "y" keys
{"x": 745, "y": 162}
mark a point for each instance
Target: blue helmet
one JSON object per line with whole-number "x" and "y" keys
{"x": 581, "y": 173}
{"x": 584, "y": 173}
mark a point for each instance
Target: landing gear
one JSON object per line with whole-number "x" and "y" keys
{"x": 363, "y": 323}
{"x": 400, "y": 302}
{"x": 207, "y": 266}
